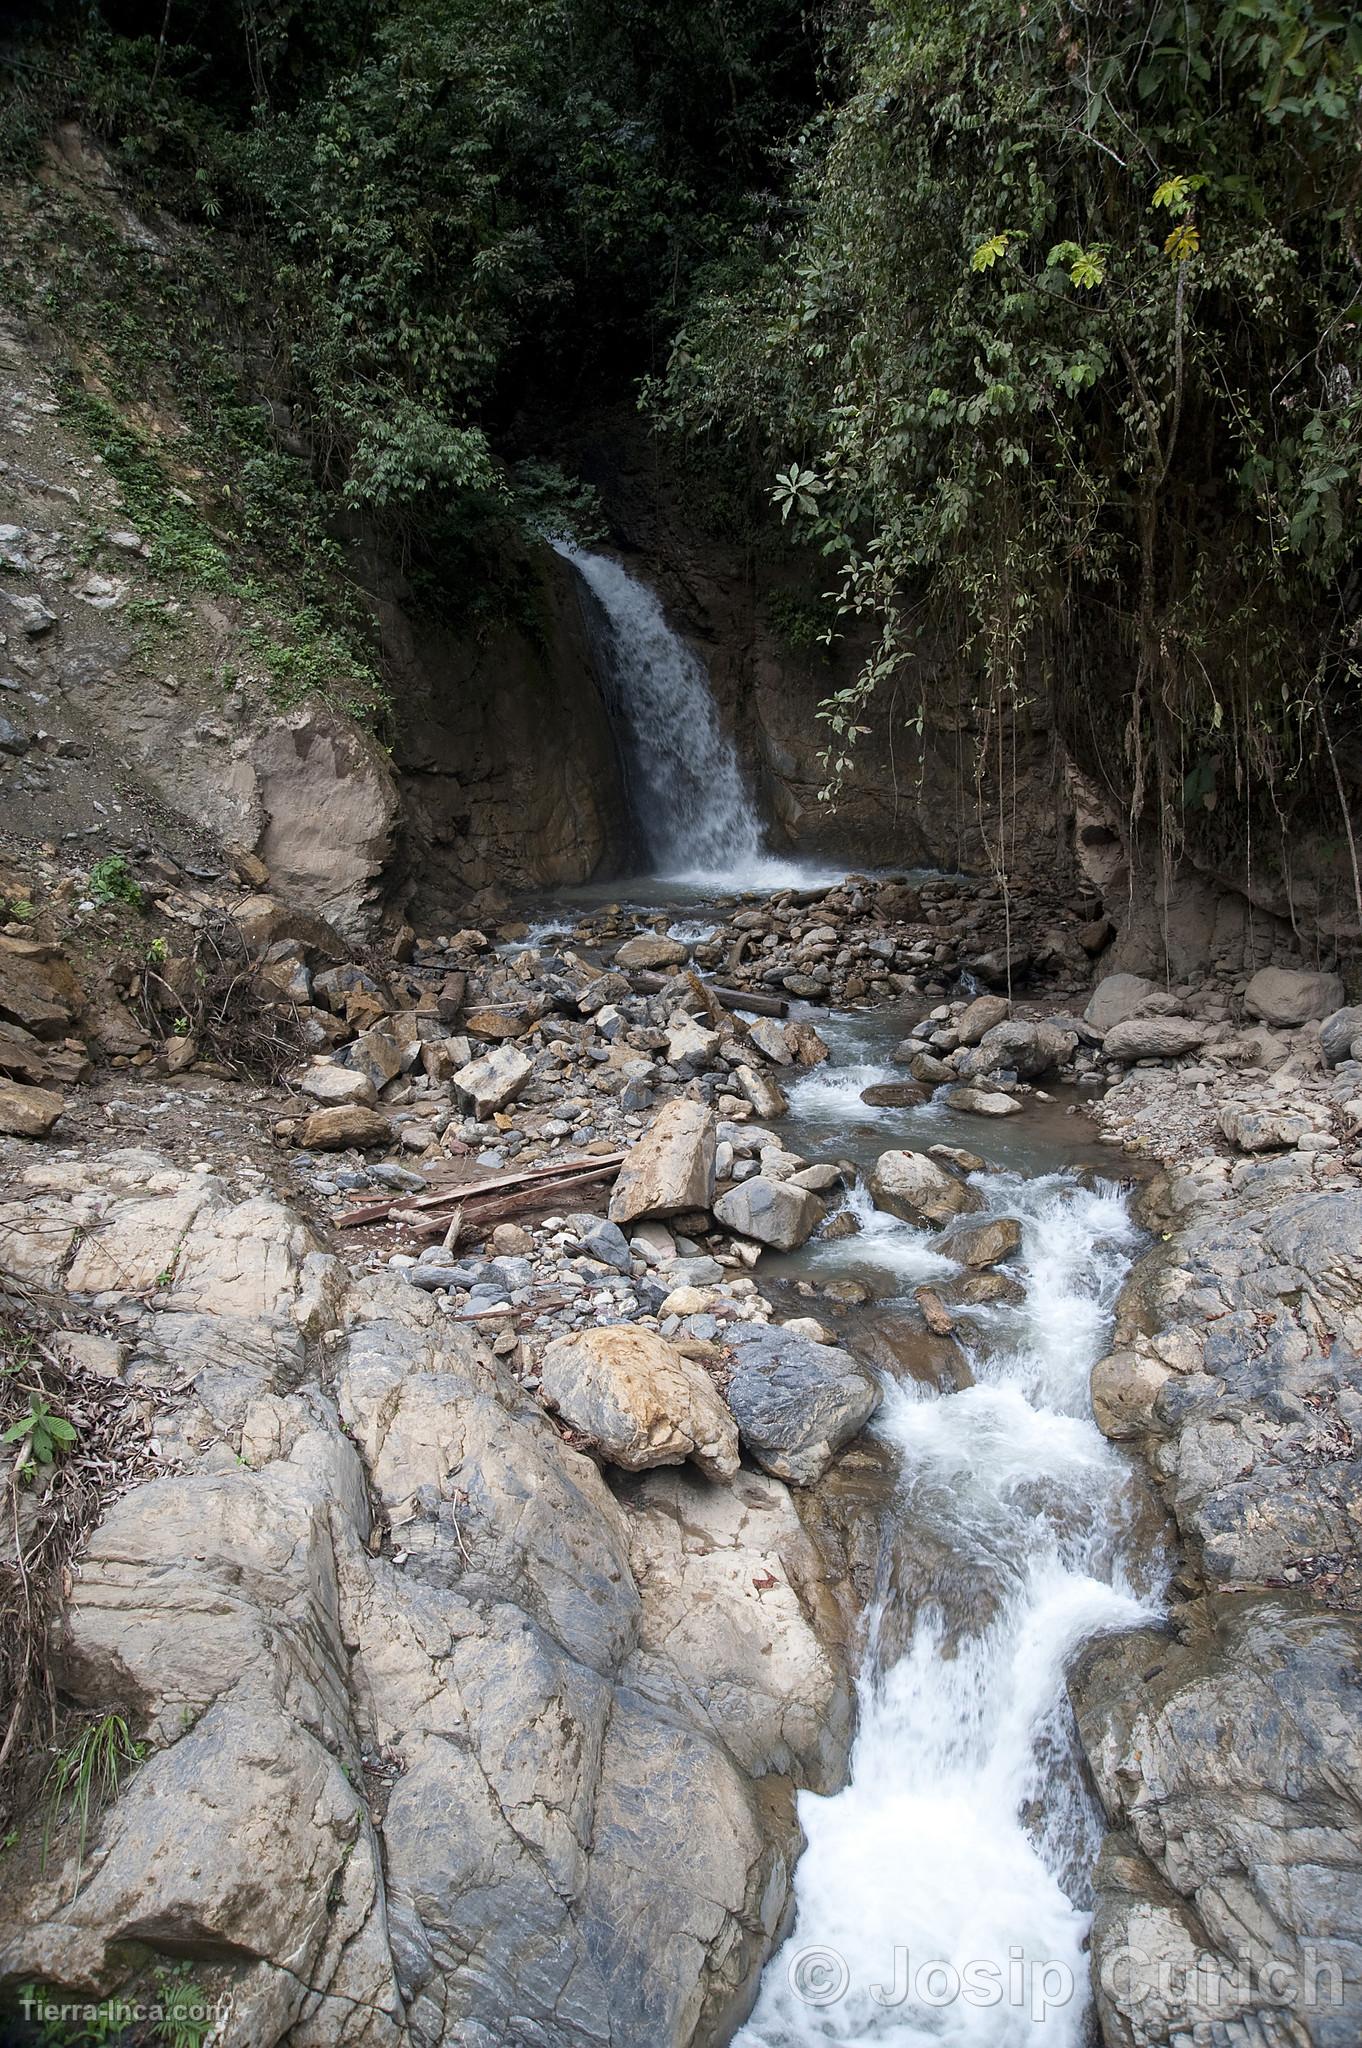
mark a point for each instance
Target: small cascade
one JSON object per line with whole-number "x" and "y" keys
{"x": 689, "y": 801}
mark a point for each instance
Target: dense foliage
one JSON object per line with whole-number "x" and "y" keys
{"x": 1060, "y": 357}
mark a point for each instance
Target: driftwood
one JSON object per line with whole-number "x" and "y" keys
{"x": 497, "y": 1208}
{"x": 649, "y": 984}
{"x": 536, "y": 1180}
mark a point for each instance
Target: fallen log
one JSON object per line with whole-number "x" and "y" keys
{"x": 498, "y": 1208}
{"x": 564, "y": 1170}
{"x": 762, "y": 1005}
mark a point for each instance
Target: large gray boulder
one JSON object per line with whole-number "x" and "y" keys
{"x": 982, "y": 1015}
{"x": 671, "y": 1168}
{"x": 1116, "y": 998}
{"x": 641, "y": 1400}
{"x": 487, "y": 1084}
{"x": 1154, "y": 1038}
{"x": 910, "y": 1185}
{"x": 1028, "y": 1050}
{"x": 1339, "y": 1033}
{"x": 796, "y": 1402}
{"x": 1292, "y": 995}
{"x": 774, "y": 1212}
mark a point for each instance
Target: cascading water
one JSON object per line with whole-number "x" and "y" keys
{"x": 940, "y": 1900}
{"x": 687, "y": 793}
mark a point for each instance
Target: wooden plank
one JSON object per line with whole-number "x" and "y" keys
{"x": 460, "y": 1191}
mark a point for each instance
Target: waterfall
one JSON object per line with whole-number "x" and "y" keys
{"x": 689, "y": 801}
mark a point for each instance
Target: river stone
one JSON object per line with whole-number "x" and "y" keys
{"x": 796, "y": 1403}
{"x": 1154, "y": 1038}
{"x": 983, "y": 1102}
{"x": 929, "y": 1070}
{"x": 769, "y": 1038}
{"x": 982, "y": 1014}
{"x": 671, "y": 1168}
{"x": 650, "y": 950}
{"x": 1261, "y": 1130}
{"x": 329, "y": 1084}
{"x": 689, "y": 1040}
{"x": 1124, "y": 1388}
{"x": 911, "y": 1186}
{"x": 984, "y": 1244}
{"x": 1028, "y": 1050}
{"x": 1290, "y": 995}
{"x": 1339, "y": 1033}
{"x": 763, "y": 1094}
{"x": 1117, "y": 998}
{"x": 639, "y": 1399}
{"x": 774, "y": 1212}
{"x": 893, "y": 1094}
{"x": 333, "y": 1130}
{"x": 487, "y": 1084}
{"x": 28, "y": 1112}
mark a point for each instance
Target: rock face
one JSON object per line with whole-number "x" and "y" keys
{"x": 774, "y": 1212}
{"x": 640, "y": 1400}
{"x": 427, "y": 1761}
{"x": 910, "y": 1185}
{"x": 1288, "y": 995}
{"x": 1227, "y": 1759}
{"x": 671, "y": 1168}
{"x": 797, "y": 1402}
{"x": 1154, "y": 1038}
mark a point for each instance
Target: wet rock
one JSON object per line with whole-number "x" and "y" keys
{"x": 893, "y": 1094}
{"x": 935, "y": 1313}
{"x": 773, "y": 1212}
{"x": 984, "y": 1244}
{"x": 650, "y": 950}
{"x": 1029, "y": 1050}
{"x": 487, "y": 1084}
{"x": 911, "y": 1186}
{"x": 349, "y": 1124}
{"x": 982, "y": 1102}
{"x": 1339, "y": 1033}
{"x": 639, "y": 1399}
{"x": 796, "y": 1402}
{"x": 1125, "y": 1387}
{"x": 1288, "y": 995}
{"x": 1117, "y": 998}
{"x": 671, "y": 1168}
{"x": 931, "y": 1071}
{"x": 28, "y": 1112}
{"x": 974, "y": 1290}
{"x": 1154, "y": 1038}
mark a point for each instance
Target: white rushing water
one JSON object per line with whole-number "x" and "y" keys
{"x": 932, "y": 1909}
{"x": 686, "y": 787}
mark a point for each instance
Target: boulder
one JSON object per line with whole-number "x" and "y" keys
{"x": 671, "y": 1168}
{"x": 983, "y": 1102}
{"x": 763, "y": 1094}
{"x": 770, "y": 1041}
{"x": 333, "y": 1130}
{"x": 796, "y": 1402}
{"x": 490, "y": 1082}
{"x": 1124, "y": 1388}
{"x": 1339, "y": 1033}
{"x": 910, "y": 1185}
{"x": 38, "y": 991}
{"x": 330, "y": 1084}
{"x": 1028, "y": 1050}
{"x": 1154, "y": 1038}
{"x": 1116, "y": 998}
{"x": 984, "y": 1244}
{"x": 774, "y": 1212}
{"x": 639, "y": 1399}
{"x": 690, "y": 1040}
{"x": 650, "y": 950}
{"x": 893, "y": 1095}
{"x": 28, "y": 1112}
{"x": 1262, "y": 1130}
{"x": 982, "y": 1015}
{"x": 1291, "y": 995}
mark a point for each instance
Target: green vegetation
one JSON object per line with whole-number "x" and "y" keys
{"x": 41, "y": 1435}
{"x": 111, "y": 881}
{"x": 161, "y": 2008}
{"x": 1057, "y": 359}
{"x": 85, "y": 1777}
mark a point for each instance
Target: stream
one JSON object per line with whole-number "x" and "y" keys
{"x": 944, "y": 1895}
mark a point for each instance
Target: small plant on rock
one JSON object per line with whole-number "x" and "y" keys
{"x": 111, "y": 881}
{"x": 86, "y": 1776}
{"x": 42, "y": 1435}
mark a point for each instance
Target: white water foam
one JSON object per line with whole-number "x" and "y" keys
{"x": 930, "y": 1907}
{"x": 687, "y": 792}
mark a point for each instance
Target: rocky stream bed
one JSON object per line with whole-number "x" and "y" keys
{"x": 661, "y": 1384}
